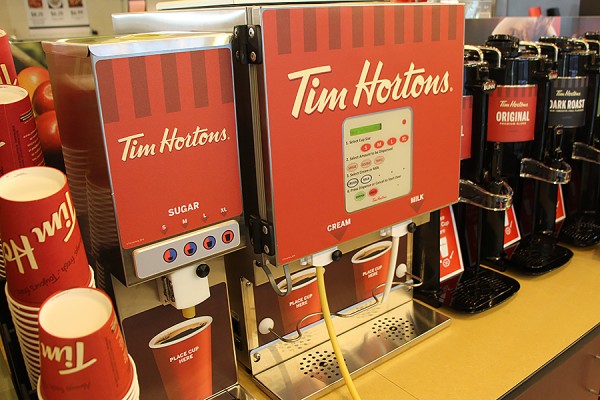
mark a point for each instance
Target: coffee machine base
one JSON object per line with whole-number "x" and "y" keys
{"x": 534, "y": 255}
{"x": 236, "y": 392}
{"x": 473, "y": 291}
{"x": 582, "y": 231}
{"x": 315, "y": 372}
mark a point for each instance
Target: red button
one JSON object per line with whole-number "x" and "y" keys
{"x": 227, "y": 236}
{"x": 392, "y": 141}
{"x": 373, "y": 192}
{"x": 404, "y": 138}
{"x": 365, "y": 147}
{"x": 379, "y": 144}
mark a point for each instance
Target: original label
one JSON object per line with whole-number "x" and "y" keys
{"x": 567, "y": 102}
{"x": 466, "y": 128}
{"x": 511, "y": 113}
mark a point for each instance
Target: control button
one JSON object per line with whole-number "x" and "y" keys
{"x": 404, "y": 138}
{"x": 379, "y": 160}
{"x": 360, "y": 196}
{"x": 352, "y": 167}
{"x": 365, "y": 163}
{"x": 227, "y": 236}
{"x": 352, "y": 182}
{"x": 391, "y": 141}
{"x": 373, "y": 192}
{"x": 365, "y": 147}
{"x": 170, "y": 255}
{"x": 403, "y": 122}
{"x": 379, "y": 144}
{"x": 190, "y": 248}
{"x": 366, "y": 179}
{"x": 209, "y": 242}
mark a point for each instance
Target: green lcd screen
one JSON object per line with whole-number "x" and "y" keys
{"x": 361, "y": 130}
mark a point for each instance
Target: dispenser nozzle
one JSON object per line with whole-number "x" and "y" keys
{"x": 189, "y": 312}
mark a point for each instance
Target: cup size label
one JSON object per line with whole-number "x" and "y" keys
{"x": 567, "y": 102}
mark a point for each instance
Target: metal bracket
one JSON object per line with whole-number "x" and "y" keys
{"x": 247, "y": 44}
{"x": 261, "y": 236}
{"x": 537, "y": 170}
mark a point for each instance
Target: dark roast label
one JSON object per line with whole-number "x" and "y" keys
{"x": 467, "y": 127}
{"x": 511, "y": 113}
{"x": 567, "y": 101}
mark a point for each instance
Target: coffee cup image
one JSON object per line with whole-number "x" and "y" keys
{"x": 183, "y": 356}
{"x": 370, "y": 265}
{"x": 302, "y": 300}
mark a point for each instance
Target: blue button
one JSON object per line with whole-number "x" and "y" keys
{"x": 170, "y": 255}
{"x": 190, "y": 248}
{"x": 209, "y": 242}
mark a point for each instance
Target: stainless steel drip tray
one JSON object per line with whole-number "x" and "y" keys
{"x": 316, "y": 371}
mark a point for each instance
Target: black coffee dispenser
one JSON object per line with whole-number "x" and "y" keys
{"x": 574, "y": 102}
{"x": 526, "y": 152}
{"x": 476, "y": 289}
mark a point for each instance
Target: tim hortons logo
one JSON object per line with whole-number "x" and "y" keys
{"x": 5, "y": 77}
{"x": 72, "y": 357}
{"x": 133, "y": 148}
{"x": 22, "y": 250}
{"x": 371, "y": 86}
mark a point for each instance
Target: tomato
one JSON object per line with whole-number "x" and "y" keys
{"x": 48, "y": 132}
{"x": 31, "y": 77}
{"x": 42, "y": 98}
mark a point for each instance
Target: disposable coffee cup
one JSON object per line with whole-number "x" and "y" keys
{"x": 302, "y": 300}
{"x": 8, "y": 73}
{"x": 82, "y": 351}
{"x": 370, "y": 266}
{"x": 183, "y": 355}
{"x": 20, "y": 144}
{"x": 41, "y": 241}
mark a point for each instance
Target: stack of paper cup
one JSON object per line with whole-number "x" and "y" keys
{"x": 83, "y": 354}
{"x": 42, "y": 247}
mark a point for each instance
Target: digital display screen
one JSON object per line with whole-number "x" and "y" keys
{"x": 361, "y": 130}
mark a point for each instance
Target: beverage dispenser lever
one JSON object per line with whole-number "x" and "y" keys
{"x": 471, "y": 193}
{"x": 271, "y": 278}
{"x": 537, "y": 170}
{"x": 585, "y": 152}
{"x": 398, "y": 231}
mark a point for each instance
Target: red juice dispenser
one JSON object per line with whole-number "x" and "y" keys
{"x": 573, "y": 95}
{"x": 149, "y": 133}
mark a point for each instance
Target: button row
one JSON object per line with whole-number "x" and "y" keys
{"x": 190, "y": 248}
{"x": 380, "y": 143}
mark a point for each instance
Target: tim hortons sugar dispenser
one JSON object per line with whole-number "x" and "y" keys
{"x": 454, "y": 252}
{"x": 517, "y": 140}
{"x": 336, "y": 133}
{"x": 149, "y": 131}
{"x": 573, "y": 96}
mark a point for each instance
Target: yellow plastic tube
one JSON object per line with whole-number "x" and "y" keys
{"x": 332, "y": 336}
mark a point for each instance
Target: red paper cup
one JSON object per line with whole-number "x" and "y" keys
{"x": 370, "y": 266}
{"x": 303, "y": 300}
{"x": 42, "y": 244}
{"x": 19, "y": 141}
{"x": 82, "y": 351}
{"x": 184, "y": 360}
{"x": 8, "y": 73}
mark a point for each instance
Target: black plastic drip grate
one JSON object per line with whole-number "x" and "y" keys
{"x": 320, "y": 365}
{"x": 582, "y": 232}
{"x": 394, "y": 328}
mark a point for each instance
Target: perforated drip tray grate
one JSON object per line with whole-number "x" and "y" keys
{"x": 477, "y": 291}
{"x": 539, "y": 254}
{"x": 581, "y": 231}
{"x": 316, "y": 371}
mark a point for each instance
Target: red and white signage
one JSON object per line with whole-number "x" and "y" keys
{"x": 512, "y": 234}
{"x": 391, "y": 64}
{"x": 451, "y": 262}
{"x": 511, "y": 113}
{"x": 170, "y": 131}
